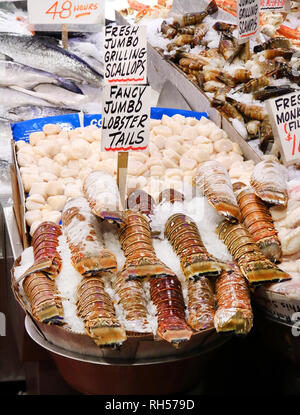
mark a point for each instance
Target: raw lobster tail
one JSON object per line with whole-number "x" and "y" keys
{"x": 186, "y": 241}
{"x": 88, "y": 253}
{"x": 45, "y": 243}
{"x": 136, "y": 242}
{"x": 269, "y": 181}
{"x": 258, "y": 220}
{"x": 43, "y": 297}
{"x": 95, "y": 308}
{"x": 213, "y": 179}
{"x": 133, "y": 300}
{"x": 102, "y": 193}
{"x": 252, "y": 262}
{"x": 166, "y": 294}
{"x": 234, "y": 312}
{"x": 201, "y": 304}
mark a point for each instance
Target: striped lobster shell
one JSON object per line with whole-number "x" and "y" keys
{"x": 201, "y": 304}
{"x": 258, "y": 220}
{"x": 213, "y": 180}
{"x": 96, "y": 309}
{"x": 41, "y": 293}
{"x": 135, "y": 238}
{"x": 166, "y": 294}
{"x": 133, "y": 300}
{"x": 186, "y": 241}
{"x": 82, "y": 229}
{"x": 234, "y": 312}
{"x": 269, "y": 181}
{"x": 252, "y": 262}
{"x": 45, "y": 243}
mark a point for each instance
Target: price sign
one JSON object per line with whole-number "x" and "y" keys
{"x": 66, "y": 11}
{"x": 284, "y": 115}
{"x": 248, "y": 19}
{"x": 126, "y": 113}
{"x": 272, "y": 5}
{"x": 125, "y": 55}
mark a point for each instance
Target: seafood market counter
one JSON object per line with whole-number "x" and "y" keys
{"x": 115, "y": 372}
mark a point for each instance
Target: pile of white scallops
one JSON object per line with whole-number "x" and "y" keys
{"x": 54, "y": 162}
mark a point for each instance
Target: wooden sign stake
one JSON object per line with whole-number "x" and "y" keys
{"x": 122, "y": 175}
{"x": 64, "y": 36}
{"x": 247, "y": 50}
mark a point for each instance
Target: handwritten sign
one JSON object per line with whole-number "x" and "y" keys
{"x": 284, "y": 115}
{"x": 275, "y": 5}
{"x": 248, "y": 19}
{"x": 126, "y": 113}
{"x": 125, "y": 55}
{"x": 66, "y": 11}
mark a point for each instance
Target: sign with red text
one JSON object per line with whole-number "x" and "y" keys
{"x": 284, "y": 113}
{"x": 125, "y": 118}
{"x": 66, "y": 11}
{"x": 125, "y": 55}
{"x": 248, "y": 19}
{"x": 272, "y": 5}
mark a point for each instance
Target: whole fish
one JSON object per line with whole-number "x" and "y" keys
{"x": 11, "y": 98}
{"x": 29, "y": 112}
{"x": 13, "y": 73}
{"x": 41, "y": 53}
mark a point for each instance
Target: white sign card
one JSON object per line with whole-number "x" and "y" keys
{"x": 66, "y": 11}
{"x": 126, "y": 115}
{"x": 248, "y": 19}
{"x": 125, "y": 55}
{"x": 272, "y": 5}
{"x": 284, "y": 113}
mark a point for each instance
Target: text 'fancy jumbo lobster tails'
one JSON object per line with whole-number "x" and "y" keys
{"x": 213, "y": 180}
{"x": 42, "y": 295}
{"x": 136, "y": 242}
{"x": 166, "y": 294}
{"x": 251, "y": 260}
{"x": 96, "y": 309}
{"x": 103, "y": 195}
{"x": 258, "y": 220}
{"x": 45, "y": 243}
{"x": 234, "y": 312}
{"x": 88, "y": 254}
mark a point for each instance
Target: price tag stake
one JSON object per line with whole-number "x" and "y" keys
{"x": 122, "y": 175}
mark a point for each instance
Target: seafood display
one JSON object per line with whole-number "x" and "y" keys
{"x": 186, "y": 241}
{"x": 36, "y": 71}
{"x": 252, "y": 262}
{"x": 133, "y": 299}
{"x": 234, "y": 312}
{"x": 54, "y": 164}
{"x": 257, "y": 218}
{"x": 46, "y": 256}
{"x": 268, "y": 180}
{"x": 42, "y": 295}
{"x": 88, "y": 254}
{"x": 96, "y": 309}
{"x": 213, "y": 179}
{"x": 166, "y": 294}
{"x": 206, "y": 49}
{"x": 201, "y": 304}
{"x": 135, "y": 239}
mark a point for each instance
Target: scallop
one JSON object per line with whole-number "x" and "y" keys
{"x": 36, "y": 137}
{"x": 50, "y": 129}
{"x": 32, "y": 216}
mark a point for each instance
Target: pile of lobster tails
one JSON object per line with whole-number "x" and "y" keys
{"x": 145, "y": 295}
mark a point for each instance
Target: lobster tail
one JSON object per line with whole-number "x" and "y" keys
{"x": 166, "y": 294}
